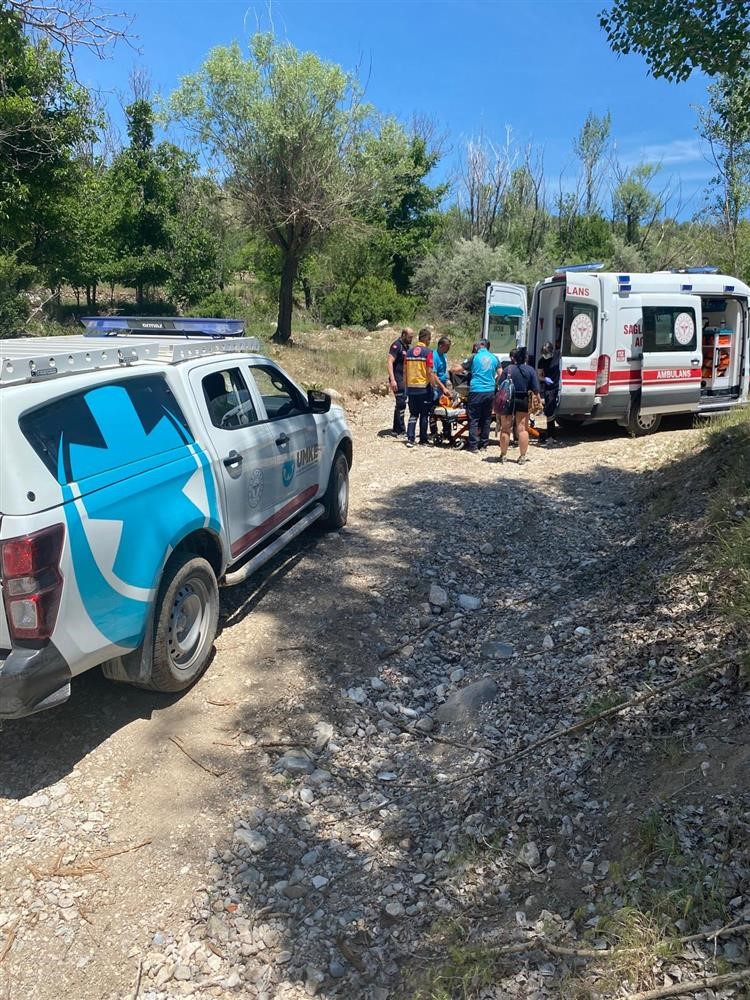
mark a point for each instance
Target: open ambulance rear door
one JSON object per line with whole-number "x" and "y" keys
{"x": 671, "y": 374}
{"x": 505, "y": 316}
{"x": 578, "y": 338}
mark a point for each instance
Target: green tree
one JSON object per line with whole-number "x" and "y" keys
{"x": 590, "y": 145}
{"x": 291, "y": 130}
{"x": 145, "y": 180}
{"x": 195, "y": 263}
{"x": 634, "y": 204}
{"x": 678, "y": 36}
{"x": 724, "y": 123}
{"x": 412, "y": 220}
{"x": 87, "y": 211}
{"x": 44, "y": 115}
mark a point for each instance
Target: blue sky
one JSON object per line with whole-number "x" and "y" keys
{"x": 537, "y": 66}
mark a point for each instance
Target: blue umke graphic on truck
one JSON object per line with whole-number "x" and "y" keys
{"x": 131, "y": 494}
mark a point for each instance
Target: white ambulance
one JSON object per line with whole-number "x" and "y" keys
{"x": 633, "y": 347}
{"x": 505, "y": 316}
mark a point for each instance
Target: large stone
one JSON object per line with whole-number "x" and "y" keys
{"x": 295, "y": 762}
{"x": 250, "y": 838}
{"x": 438, "y": 596}
{"x": 469, "y": 603}
{"x": 497, "y": 650}
{"x": 464, "y": 705}
{"x": 323, "y": 733}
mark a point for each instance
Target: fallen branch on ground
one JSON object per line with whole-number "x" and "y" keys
{"x": 204, "y": 767}
{"x": 10, "y": 940}
{"x": 692, "y": 986}
{"x": 138, "y": 977}
{"x": 567, "y": 950}
{"x": 577, "y": 727}
{"x": 89, "y": 866}
{"x": 115, "y": 852}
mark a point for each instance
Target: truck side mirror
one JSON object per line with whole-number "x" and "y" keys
{"x": 318, "y": 401}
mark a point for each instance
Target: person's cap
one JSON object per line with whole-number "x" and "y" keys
{"x": 547, "y": 350}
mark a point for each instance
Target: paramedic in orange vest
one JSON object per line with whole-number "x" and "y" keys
{"x": 419, "y": 382}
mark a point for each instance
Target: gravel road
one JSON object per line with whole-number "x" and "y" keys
{"x": 290, "y": 826}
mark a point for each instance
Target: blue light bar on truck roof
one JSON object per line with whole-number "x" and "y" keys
{"x": 578, "y": 267}
{"x": 180, "y": 326}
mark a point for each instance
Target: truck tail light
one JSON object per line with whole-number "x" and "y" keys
{"x": 602, "y": 375}
{"x": 32, "y": 582}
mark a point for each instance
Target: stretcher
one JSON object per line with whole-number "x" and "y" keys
{"x": 453, "y": 427}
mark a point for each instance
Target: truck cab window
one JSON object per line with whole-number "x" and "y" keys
{"x": 280, "y": 397}
{"x": 228, "y": 400}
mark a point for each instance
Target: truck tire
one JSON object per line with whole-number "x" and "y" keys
{"x": 641, "y": 425}
{"x": 336, "y": 498}
{"x": 187, "y": 616}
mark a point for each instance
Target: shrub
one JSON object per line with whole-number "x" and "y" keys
{"x": 453, "y": 279}
{"x": 221, "y": 305}
{"x": 371, "y": 300}
{"x": 15, "y": 278}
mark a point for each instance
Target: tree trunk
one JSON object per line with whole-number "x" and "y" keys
{"x": 88, "y": 296}
{"x": 308, "y": 294}
{"x": 93, "y": 294}
{"x": 284, "y": 325}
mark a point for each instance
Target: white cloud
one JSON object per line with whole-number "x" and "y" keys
{"x": 677, "y": 151}
{"x": 668, "y": 154}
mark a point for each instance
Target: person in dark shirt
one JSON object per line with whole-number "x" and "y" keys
{"x": 504, "y": 365}
{"x": 524, "y": 381}
{"x": 549, "y": 379}
{"x": 396, "y": 353}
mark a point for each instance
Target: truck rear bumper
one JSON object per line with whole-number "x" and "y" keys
{"x": 32, "y": 680}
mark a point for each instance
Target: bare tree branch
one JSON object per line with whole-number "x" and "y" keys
{"x": 71, "y": 24}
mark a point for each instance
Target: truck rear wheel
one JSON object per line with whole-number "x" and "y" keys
{"x": 336, "y": 499}
{"x": 187, "y": 616}
{"x": 642, "y": 424}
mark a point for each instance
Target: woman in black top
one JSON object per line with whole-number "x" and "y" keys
{"x": 524, "y": 381}
{"x": 549, "y": 378}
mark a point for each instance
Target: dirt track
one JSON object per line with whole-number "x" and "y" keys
{"x": 105, "y": 773}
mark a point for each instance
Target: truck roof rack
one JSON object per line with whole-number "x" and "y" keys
{"x": 187, "y": 326}
{"x": 33, "y": 359}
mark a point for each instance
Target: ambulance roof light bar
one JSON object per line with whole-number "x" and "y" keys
{"x": 703, "y": 269}
{"x": 178, "y": 326}
{"x": 578, "y": 267}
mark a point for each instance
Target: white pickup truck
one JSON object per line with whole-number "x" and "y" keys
{"x": 143, "y": 465}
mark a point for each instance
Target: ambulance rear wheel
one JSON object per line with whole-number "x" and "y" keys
{"x": 643, "y": 424}
{"x": 187, "y": 617}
